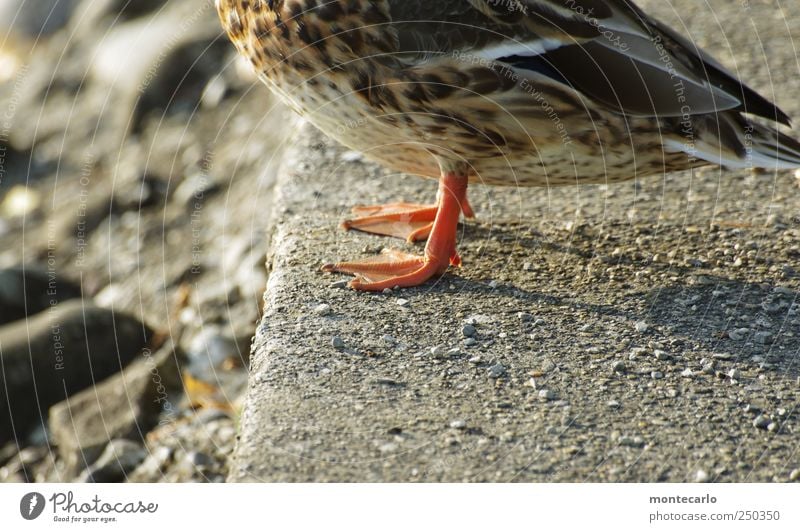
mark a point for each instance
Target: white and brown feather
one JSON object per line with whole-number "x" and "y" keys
{"x": 409, "y": 84}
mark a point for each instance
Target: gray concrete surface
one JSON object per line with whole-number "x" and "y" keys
{"x": 648, "y": 331}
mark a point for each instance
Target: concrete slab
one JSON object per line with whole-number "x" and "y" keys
{"x": 648, "y": 331}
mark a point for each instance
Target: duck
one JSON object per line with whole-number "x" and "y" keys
{"x": 516, "y": 93}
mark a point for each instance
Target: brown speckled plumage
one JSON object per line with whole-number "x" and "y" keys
{"x": 505, "y": 92}
{"x": 356, "y": 70}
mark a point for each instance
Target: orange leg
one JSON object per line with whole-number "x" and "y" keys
{"x": 396, "y": 268}
{"x": 410, "y": 221}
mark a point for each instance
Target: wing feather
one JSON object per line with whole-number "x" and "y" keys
{"x": 610, "y": 50}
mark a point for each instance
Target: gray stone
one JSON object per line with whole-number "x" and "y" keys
{"x": 35, "y": 19}
{"x": 122, "y": 407}
{"x": 28, "y": 290}
{"x": 763, "y": 337}
{"x": 118, "y": 459}
{"x": 547, "y": 395}
{"x": 738, "y": 334}
{"x": 468, "y": 331}
{"x": 154, "y": 464}
{"x": 441, "y": 351}
{"x": 631, "y": 441}
{"x": 497, "y": 371}
{"x": 323, "y": 309}
{"x": 198, "y": 459}
{"x": 59, "y": 352}
{"x": 761, "y": 422}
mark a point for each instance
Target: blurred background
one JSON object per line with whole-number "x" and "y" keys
{"x": 137, "y": 157}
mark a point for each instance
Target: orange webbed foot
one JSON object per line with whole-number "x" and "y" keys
{"x": 393, "y": 268}
{"x": 396, "y": 268}
{"x": 410, "y": 221}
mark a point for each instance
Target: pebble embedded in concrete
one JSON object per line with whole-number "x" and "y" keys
{"x": 761, "y": 422}
{"x": 323, "y": 309}
{"x": 497, "y": 371}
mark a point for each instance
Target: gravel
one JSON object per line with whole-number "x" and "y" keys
{"x": 738, "y": 335}
{"x": 547, "y": 395}
{"x": 761, "y": 422}
{"x": 631, "y": 441}
{"x": 198, "y": 459}
{"x": 440, "y": 351}
{"x": 497, "y": 371}
{"x": 660, "y": 355}
{"x": 763, "y": 338}
{"x": 323, "y": 309}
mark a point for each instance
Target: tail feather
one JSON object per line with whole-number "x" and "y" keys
{"x": 773, "y": 145}
{"x": 731, "y": 140}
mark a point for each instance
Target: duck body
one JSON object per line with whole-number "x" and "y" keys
{"x": 505, "y": 92}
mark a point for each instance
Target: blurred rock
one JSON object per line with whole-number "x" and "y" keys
{"x": 30, "y": 289}
{"x": 93, "y": 13}
{"x": 33, "y": 19}
{"x": 118, "y": 459}
{"x": 20, "y": 202}
{"x": 220, "y": 293}
{"x": 57, "y": 353}
{"x": 153, "y": 466}
{"x": 251, "y": 275}
{"x": 209, "y": 349}
{"x": 114, "y": 295}
{"x": 125, "y": 107}
{"x": 124, "y": 406}
{"x": 194, "y": 190}
{"x": 72, "y": 224}
{"x": 214, "y": 92}
{"x": 145, "y": 191}
{"x": 20, "y": 467}
{"x": 163, "y": 61}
